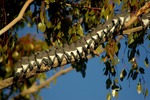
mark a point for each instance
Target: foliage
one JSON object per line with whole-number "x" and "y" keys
{"x": 66, "y": 21}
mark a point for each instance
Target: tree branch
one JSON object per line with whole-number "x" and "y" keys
{"x": 17, "y": 18}
{"x": 136, "y": 29}
{"x": 36, "y": 87}
{"x": 135, "y": 17}
{"x": 7, "y": 82}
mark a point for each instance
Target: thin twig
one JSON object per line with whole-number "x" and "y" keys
{"x": 19, "y": 17}
{"x": 36, "y": 87}
{"x": 135, "y": 17}
{"x": 136, "y": 29}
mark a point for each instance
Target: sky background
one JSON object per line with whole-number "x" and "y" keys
{"x": 72, "y": 86}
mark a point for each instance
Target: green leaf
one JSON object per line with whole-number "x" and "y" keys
{"x": 139, "y": 88}
{"x": 108, "y": 68}
{"x": 130, "y": 39}
{"x": 146, "y": 62}
{"x": 130, "y": 74}
{"x": 52, "y": 1}
{"x": 5, "y": 48}
{"x": 117, "y": 1}
{"x": 58, "y": 25}
{"x": 115, "y": 61}
{"x": 134, "y": 75}
{"x": 113, "y": 71}
{"x": 42, "y": 16}
{"x": 146, "y": 93}
{"x": 108, "y": 83}
{"x": 42, "y": 27}
{"x": 115, "y": 87}
{"x": 115, "y": 93}
{"x": 47, "y": 1}
{"x": 102, "y": 12}
{"x": 80, "y": 30}
{"x": 141, "y": 70}
{"x": 123, "y": 74}
{"x": 48, "y": 24}
{"x": 108, "y": 96}
{"x": 15, "y": 55}
{"x": 133, "y": 2}
{"x": 1, "y": 59}
{"x": 99, "y": 50}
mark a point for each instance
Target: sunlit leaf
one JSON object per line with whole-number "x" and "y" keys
{"x": 117, "y": 1}
{"x": 108, "y": 96}
{"x": 139, "y": 88}
{"x": 42, "y": 27}
{"x": 133, "y": 2}
{"x": 15, "y": 54}
{"x": 115, "y": 61}
{"x": 8, "y": 67}
{"x": 99, "y": 50}
{"x": 91, "y": 12}
{"x": 146, "y": 93}
{"x": 1, "y": 59}
{"x": 102, "y": 11}
{"x": 130, "y": 39}
{"x": 79, "y": 30}
{"x": 42, "y": 16}
{"x": 47, "y": 1}
{"x": 74, "y": 38}
{"x": 48, "y": 24}
{"x": 5, "y": 48}
{"x": 123, "y": 74}
{"x": 116, "y": 80}
{"x": 52, "y": 1}
{"x": 146, "y": 62}
{"x": 115, "y": 93}
{"x": 58, "y": 25}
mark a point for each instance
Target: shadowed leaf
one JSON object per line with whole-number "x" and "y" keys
{"x": 108, "y": 83}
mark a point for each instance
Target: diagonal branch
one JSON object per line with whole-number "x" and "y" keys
{"x": 140, "y": 11}
{"x": 19, "y": 17}
{"x": 36, "y": 87}
{"x": 7, "y": 82}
